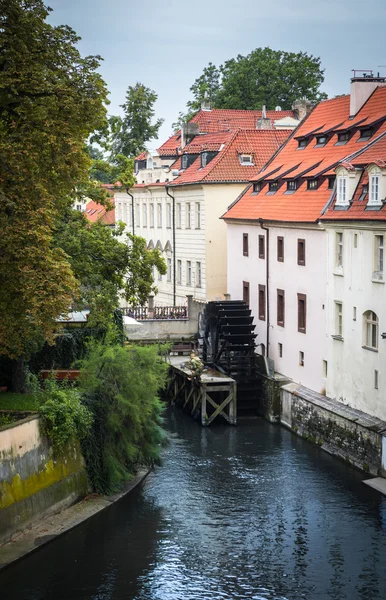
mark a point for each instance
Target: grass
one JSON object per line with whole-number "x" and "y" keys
{"x": 22, "y": 402}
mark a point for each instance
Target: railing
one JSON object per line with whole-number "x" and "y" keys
{"x": 159, "y": 313}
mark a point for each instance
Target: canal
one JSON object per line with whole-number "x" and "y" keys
{"x": 249, "y": 512}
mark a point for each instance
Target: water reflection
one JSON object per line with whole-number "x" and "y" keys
{"x": 246, "y": 513}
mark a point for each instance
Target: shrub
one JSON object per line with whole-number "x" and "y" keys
{"x": 64, "y": 416}
{"x": 120, "y": 387}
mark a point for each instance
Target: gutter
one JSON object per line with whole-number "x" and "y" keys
{"x": 266, "y": 280}
{"x": 174, "y": 242}
{"x": 132, "y": 209}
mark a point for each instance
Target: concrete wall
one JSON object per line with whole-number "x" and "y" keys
{"x": 342, "y": 431}
{"x": 34, "y": 482}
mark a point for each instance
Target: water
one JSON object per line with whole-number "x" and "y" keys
{"x": 249, "y": 512}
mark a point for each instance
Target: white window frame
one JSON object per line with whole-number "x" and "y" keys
{"x": 197, "y": 216}
{"x": 338, "y": 319}
{"x": 137, "y": 214}
{"x": 339, "y": 249}
{"x": 375, "y": 190}
{"x": 379, "y": 245}
{"x": 168, "y": 215}
{"x": 179, "y": 215}
{"x": 342, "y": 191}
{"x": 144, "y": 214}
{"x": 188, "y": 224}
{"x": 179, "y": 271}
{"x": 188, "y": 272}
{"x": 370, "y": 330}
{"x": 159, "y": 215}
{"x": 169, "y": 269}
{"x": 152, "y": 214}
{"x": 198, "y": 274}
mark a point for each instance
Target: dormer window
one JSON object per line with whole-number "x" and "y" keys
{"x": 246, "y": 159}
{"x": 204, "y": 159}
{"x": 374, "y": 186}
{"x": 365, "y": 191}
{"x": 321, "y": 140}
{"x": 273, "y": 186}
{"x": 184, "y": 161}
{"x": 312, "y": 184}
{"x": 342, "y": 198}
{"x": 343, "y": 138}
{"x": 331, "y": 182}
{"x": 302, "y": 143}
{"x": 256, "y": 188}
{"x": 291, "y": 186}
{"x": 365, "y": 134}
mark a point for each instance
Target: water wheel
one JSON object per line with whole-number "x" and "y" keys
{"x": 227, "y": 342}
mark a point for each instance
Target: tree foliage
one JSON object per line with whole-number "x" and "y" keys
{"x": 263, "y": 77}
{"x": 120, "y": 388}
{"x": 51, "y": 99}
{"x": 130, "y": 133}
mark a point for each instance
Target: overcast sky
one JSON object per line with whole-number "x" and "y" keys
{"x": 165, "y": 44}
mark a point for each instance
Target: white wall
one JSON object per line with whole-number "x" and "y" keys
{"x": 350, "y": 366}
{"x": 293, "y": 279}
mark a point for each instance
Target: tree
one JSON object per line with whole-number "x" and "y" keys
{"x": 263, "y": 77}
{"x": 106, "y": 267}
{"x": 130, "y": 133}
{"x": 51, "y": 99}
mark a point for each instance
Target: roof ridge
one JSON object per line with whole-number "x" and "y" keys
{"x": 364, "y": 149}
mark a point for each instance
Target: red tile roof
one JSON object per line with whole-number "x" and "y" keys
{"x": 218, "y": 120}
{"x": 95, "y": 212}
{"x": 226, "y": 166}
{"x": 141, "y": 156}
{"x": 305, "y": 205}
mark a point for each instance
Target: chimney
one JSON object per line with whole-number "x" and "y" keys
{"x": 206, "y": 104}
{"x": 188, "y": 132}
{"x": 301, "y": 108}
{"x": 362, "y": 87}
{"x": 263, "y": 122}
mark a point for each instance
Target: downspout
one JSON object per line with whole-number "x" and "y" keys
{"x": 174, "y": 242}
{"x": 132, "y": 209}
{"x": 266, "y": 279}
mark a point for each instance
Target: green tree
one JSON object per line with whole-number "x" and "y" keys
{"x": 51, "y": 99}
{"x": 108, "y": 264}
{"x": 130, "y": 133}
{"x": 263, "y": 77}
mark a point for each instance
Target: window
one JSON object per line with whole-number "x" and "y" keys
{"x": 291, "y": 186}
{"x": 378, "y": 258}
{"x": 256, "y": 188}
{"x": 280, "y": 348}
{"x": 339, "y": 249}
{"x": 184, "y": 161}
{"x": 343, "y": 138}
{"x": 179, "y": 271}
{"x": 301, "y": 359}
{"x": 245, "y": 244}
{"x": 302, "y": 144}
{"x": 302, "y": 313}
{"x": 302, "y": 252}
{"x": 159, "y": 215}
{"x": 151, "y": 215}
{"x": 204, "y": 159}
{"x": 280, "y": 307}
{"x": 325, "y": 368}
{"x": 188, "y": 223}
{"x": 198, "y": 215}
{"x": 374, "y": 197}
{"x": 198, "y": 274}
{"x": 169, "y": 270}
{"x": 354, "y": 313}
{"x": 375, "y": 379}
{"x": 179, "y": 215}
{"x": 365, "y": 191}
{"x": 371, "y": 324}
{"x": 273, "y": 186}
{"x": 168, "y": 215}
{"x": 365, "y": 134}
{"x": 78, "y": 207}
{"x": 262, "y": 302}
{"x": 144, "y": 215}
{"x": 137, "y": 215}
{"x": 321, "y": 140}
{"x": 246, "y": 292}
{"x": 280, "y": 249}
{"x": 338, "y": 319}
{"x": 261, "y": 246}
{"x": 355, "y": 240}
{"x": 312, "y": 184}
{"x": 246, "y": 159}
{"x": 188, "y": 272}
{"x": 331, "y": 182}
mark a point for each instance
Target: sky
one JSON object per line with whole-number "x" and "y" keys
{"x": 166, "y": 44}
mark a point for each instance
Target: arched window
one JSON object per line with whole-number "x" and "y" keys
{"x": 370, "y": 330}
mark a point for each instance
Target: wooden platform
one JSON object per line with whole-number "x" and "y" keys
{"x": 214, "y": 396}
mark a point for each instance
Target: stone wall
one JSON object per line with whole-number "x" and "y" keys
{"x": 350, "y": 434}
{"x": 34, "y": 482}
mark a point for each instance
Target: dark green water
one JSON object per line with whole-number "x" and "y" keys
{"x": 249, "y": 512}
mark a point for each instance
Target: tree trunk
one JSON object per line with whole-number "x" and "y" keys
{"x": 18, "y": 375}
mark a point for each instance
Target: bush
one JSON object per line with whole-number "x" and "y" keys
{"x": 120, "y": 387}
{"x": 64, "y": 416}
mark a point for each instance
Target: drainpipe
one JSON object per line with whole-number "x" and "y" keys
{"x": 174, "y": 242}
{"x": 132, "y": 209}
{"x": 266, "y": 279}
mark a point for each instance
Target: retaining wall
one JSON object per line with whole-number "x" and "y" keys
{"x": 34, "y": 481}
{"x": 350, "y": 434}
